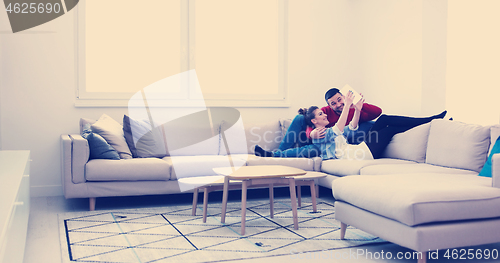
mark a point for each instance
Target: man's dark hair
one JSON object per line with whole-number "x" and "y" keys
{"x": 330, "y": 93}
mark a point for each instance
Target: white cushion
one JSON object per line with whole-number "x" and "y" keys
{"x": 352, "y": 167}
{"x": 112, "y": 132}
{"x": 410, "y": 145}
{"x": 411, "y": 168}
{"x": 414, "y": 199}
{"x": 458, "y": 145}
{"x": 284, "y": 124}
{"x": 136, "y": 169}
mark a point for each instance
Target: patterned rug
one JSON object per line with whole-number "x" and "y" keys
{"x": 172, "y": 234}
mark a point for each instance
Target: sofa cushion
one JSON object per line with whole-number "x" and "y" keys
{"x": 191, "y": 138}
{"x": 284, "y": 124}
{"x": 243, "y": 157}
{"x": 98, "y": 147}
{"x": 138, "y": 169}
{"x": 143, "y": 140}
{"x": 305, "y": 164}
{"x": 411, "y": 168}
{"x": 112, "y": 132}
{"x": 199, "y": 165}
{"x": 235, "y": 136}
{"x": 410, "y": 145}
{"x": 414, "y": 199}
{"x": 351, "y": 167}
{"x": 267, "y": 135}
{"x": 85, "y": 121}
{"x": 458, "y": 145}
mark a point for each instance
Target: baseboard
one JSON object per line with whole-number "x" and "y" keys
{"x": 46, "y": 190}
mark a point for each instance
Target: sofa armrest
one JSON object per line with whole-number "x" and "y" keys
{"x": 495, "y": 170}
{"x": 65, "y": 161}
{"x": 79, "y": 155}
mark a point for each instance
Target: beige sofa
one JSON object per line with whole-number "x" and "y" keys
{"x": 84, "y": 178}
{"x": 428, "y": 195}
{"x": 425, "y": 194}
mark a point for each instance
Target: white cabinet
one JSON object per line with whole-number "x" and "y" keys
{"x": 14, "y": 204}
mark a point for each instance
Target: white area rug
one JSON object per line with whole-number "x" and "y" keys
{"x": 172, "y": 234}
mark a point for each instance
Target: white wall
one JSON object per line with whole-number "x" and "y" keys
{"x": 375, "y": 46}
{"x": 473, "y": 61}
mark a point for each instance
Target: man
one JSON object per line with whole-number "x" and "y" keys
{"x": 299, "y": 133}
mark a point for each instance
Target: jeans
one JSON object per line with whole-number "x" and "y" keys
{"x": 362, "y": 134}
{"x": 296, "y": 135}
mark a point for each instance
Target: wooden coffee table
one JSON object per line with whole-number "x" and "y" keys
{"x": 263, "y": 175}
{"x": 216, "y": 183}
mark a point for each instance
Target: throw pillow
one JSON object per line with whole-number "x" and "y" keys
{"x": 143, "y": 140}
{"x": 494, "y": 134}
{"x": 129, "y": 138}
{"x": 112, "y": 132}
{"x": 486, "y": 171}
{"x": 99, "y": 148}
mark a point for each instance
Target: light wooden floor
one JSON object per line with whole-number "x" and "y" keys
{"x": 42, "y": 244}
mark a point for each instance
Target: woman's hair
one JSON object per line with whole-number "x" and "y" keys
{"x": 309, "y": 115}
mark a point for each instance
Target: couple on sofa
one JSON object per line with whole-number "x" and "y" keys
{"x": 329, "y": 127}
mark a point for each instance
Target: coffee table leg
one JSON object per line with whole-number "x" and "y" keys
{"x": 299, "y": 195}
{"x": 205, "y": 204}
{"x": 224, "y": 199}
{"x": 271, "y": 199}
{"x": 313, "y": 195}
{"x": 195, "y": 201}
{"x": 243, "y": 205}
{"x": 291, "y": 182}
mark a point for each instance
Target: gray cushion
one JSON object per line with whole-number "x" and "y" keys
{"x": 414, "y": 199}
{"x": 137, "y": 169}
{"x": 351, "y": 167}
{"x": 411, "y": 168}
{"x": 112, "y": 132}
{"x": 458, "y": 145}
{"x": 99, "y": 148}
{"x": 143, "y": 139}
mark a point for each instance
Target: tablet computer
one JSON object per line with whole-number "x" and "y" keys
{"x": 346, "y": 90}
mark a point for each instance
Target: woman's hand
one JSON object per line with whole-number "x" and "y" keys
{"x": 348, "y": 100}
{"x": 358, "y": 106}
{"x": 318, "y": 133}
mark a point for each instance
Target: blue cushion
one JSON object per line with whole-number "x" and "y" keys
{"x": 99, "y": 148}
{"x": 486, "y": 171}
